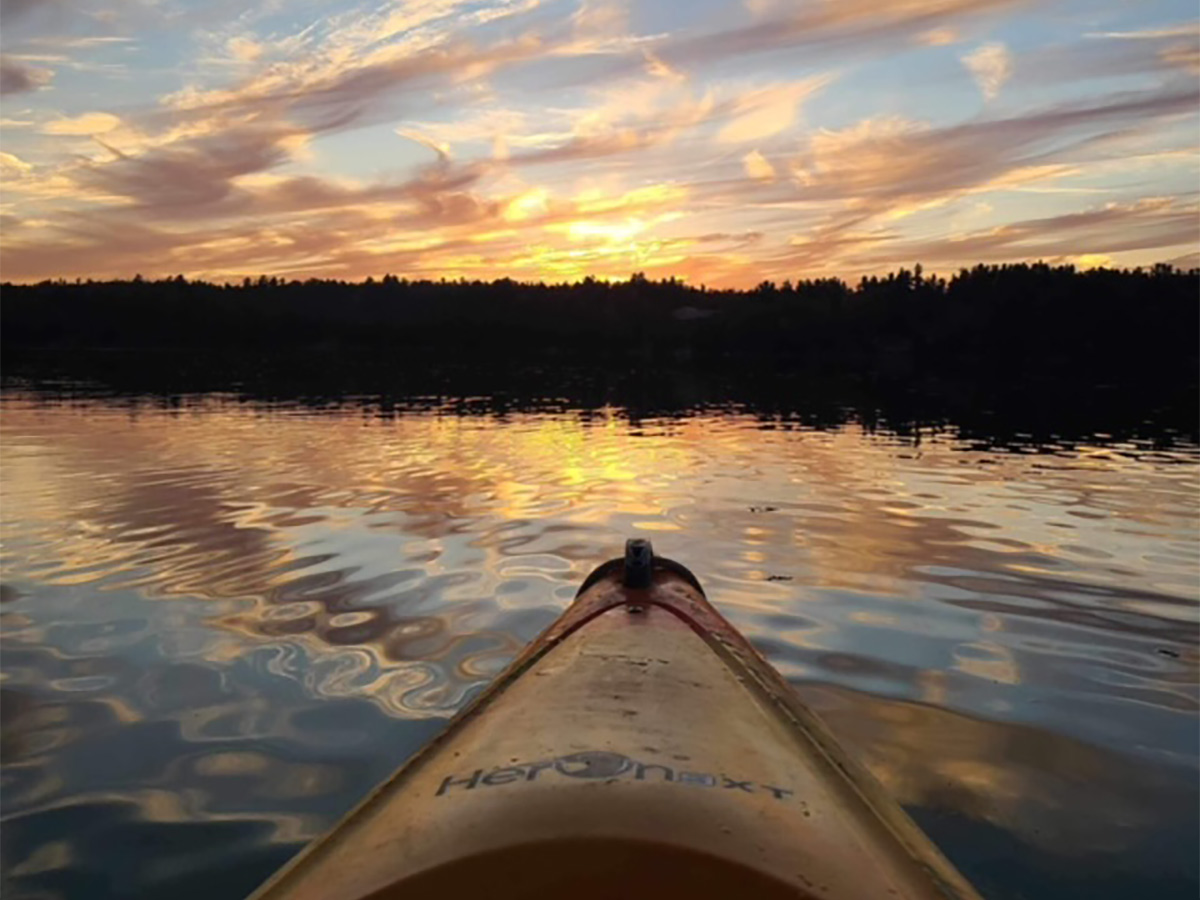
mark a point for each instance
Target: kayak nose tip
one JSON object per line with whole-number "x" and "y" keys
{"x": 639, "y": 563}
{"x": 638, "y": 569}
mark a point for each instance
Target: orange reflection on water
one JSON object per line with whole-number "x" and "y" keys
{"x": 985, "y": 628}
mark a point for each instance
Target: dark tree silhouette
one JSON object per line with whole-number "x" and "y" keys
{"x": 988, "y": 335}
{"x": 1034, "y": 317}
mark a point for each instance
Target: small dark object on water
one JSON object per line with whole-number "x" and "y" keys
{"x": 779, "y": 578}
{"x": 1174, "y": 654}
{"x": 763, "y": 508}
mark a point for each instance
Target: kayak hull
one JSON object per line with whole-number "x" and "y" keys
{"x": 639, "y": 747}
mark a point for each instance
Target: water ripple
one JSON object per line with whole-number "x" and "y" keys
{"x": 222, "y": 623}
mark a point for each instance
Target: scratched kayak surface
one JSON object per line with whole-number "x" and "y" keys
{"x": 225, "y": 622}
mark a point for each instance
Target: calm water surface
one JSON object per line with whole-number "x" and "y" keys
{"x": 223, "y": 622}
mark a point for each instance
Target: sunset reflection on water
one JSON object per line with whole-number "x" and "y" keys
{"x": 223, "y": 622}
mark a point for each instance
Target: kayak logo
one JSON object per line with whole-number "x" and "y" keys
{"x": 603, "y": 764}
{"x": 593, "y": 764}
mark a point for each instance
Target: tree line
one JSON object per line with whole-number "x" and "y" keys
{"x": 987, "y": 321}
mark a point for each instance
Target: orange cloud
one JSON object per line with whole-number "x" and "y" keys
{"x": 86, "y": 124}
{"x": 12, "y": 165}
{"x": 764, "y": 112}
{"x": 632, "y": 166}
{"x": 758, "y": 166}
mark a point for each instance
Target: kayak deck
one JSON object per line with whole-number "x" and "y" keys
{"x": 639, "y": 747}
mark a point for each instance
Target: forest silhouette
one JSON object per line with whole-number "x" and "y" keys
{"x": 1036, "y": 316}
{"x": 1121, "y": 344}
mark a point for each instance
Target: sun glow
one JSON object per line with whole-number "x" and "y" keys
{"x": 1093, "y": 260}
{"x": 531, "y": 204}
{"x": 609, "y": 231}
{"x": 400, "y": 137}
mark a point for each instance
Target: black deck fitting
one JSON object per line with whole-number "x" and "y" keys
{"x": 639, "y": 563}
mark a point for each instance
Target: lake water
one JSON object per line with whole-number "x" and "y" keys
{"x": 224, "y": 621}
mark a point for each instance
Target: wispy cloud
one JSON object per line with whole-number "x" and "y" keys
{"x": 86, "y": 124}
{"x": 880, "y": 164}
{"x": 938, "y": 37}
{"x": 558, "y": 139}
{"x": 1186, "y": 29}
{"x": 831, "y": 28}
{"x": 765, "y": 112}
{"x": 1106, "y": 230}
{"x": 63, "y": 42}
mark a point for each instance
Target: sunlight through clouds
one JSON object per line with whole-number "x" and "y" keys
{"x": 492, "y": 138}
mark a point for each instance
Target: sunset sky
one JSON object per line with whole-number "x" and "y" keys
{"x": 719, "y": 141}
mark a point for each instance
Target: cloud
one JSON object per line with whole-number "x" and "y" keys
{"x": 86, "y": 124}
{"x": 189, "y": 156}
{"x": 512, "y": 127}
{"x": 189, "y": 176}
{"x": 844, "y": 30}
{"x": 244, "y": 49}
{"x": 830, "y": 28}
{"x": 61, "y": 42}
{"x": 12, "y": 165}
{"x": 991, "y": 66}
{"x": 601, "y": 18}
{"x": 360, "y": 68}
{"x": 632, "y": 118}
{"x": 1184, "y": 55}
{"x": 758, "y": 166}
{"x": 437, "y": 223}
{"x": 656, "y": 67}
{"x": 1148, "y": 223}
{"x": 207, "y": 155}
{"x": 441, "y": 148}
{"x": 1109, "y": 55}
{"x": 880, "y": 163}
{"x": 447, "y": 220}
{"x": 764, "y": 112}
{"x": 849, "y": 187}
{"x": 419, "y": 24}
{"x": 1185, "y": 29}
{"x": 571, "y": 143}
{"x": 626, "y": 119}
{"x": 1189, "y": 260}
{"x": 18, "y": 78}
{"x": 938, "y": 37}
{"x": 344, "y": 88}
